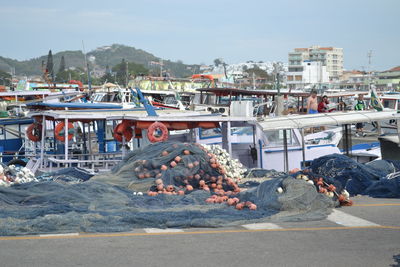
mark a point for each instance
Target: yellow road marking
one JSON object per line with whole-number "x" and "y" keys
{"x": 376, "y": 205}
{"x": 86, "y": 235}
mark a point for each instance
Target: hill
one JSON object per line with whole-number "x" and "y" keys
{"x": 99, "y": 59}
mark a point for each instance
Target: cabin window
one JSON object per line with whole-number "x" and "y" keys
{"x": 389, "y": 103}
{"x": 238, "y": 134}
{"x": 170, "y": 100}
{"x": 275, "y": 138}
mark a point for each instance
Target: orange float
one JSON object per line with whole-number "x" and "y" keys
{"x": 59, "y": 131}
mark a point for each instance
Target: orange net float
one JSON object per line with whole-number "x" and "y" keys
{"x": 34, "y": 132}
{"x": 59, "y": 131}
{"x": 123, "y": 130}
{"x": 157, "y": 132}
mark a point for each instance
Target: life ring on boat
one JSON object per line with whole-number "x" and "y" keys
{"x": 157, "y": 132}
{"x": 123, "y": 130}
{"x": 34, "y": 132}
{"x": 59, "y": 131}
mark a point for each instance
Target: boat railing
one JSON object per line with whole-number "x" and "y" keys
{"x": 95, "y": 162}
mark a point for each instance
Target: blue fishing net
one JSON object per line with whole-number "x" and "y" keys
{"x": 366, "y": 179}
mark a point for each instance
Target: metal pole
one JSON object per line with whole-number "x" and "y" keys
{"x": 90, "y": 140}
{"x": 123, "y": 146}
{"x": 398, "y": 130}
{"x": 229, "y": 142}
{"x": 285, "y": 148}
{"x": 303, "y": 148}
{"x": 66, "y": 139}
{"x": 84, "y": 138}
{"x": 54, "y": 139}
{"x": 42, "y": 142}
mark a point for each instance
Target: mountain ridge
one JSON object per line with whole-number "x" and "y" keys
{"x": 99, "y": 58}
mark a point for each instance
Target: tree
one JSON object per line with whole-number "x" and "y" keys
{"x": 60, "y": 77}
{"x": 50, "y": 65}
{"x": 62, "y": 64}
{"x": 75, "y": 74}
{"x": 5, "y": 78}
{"x": 258, "y": 73}
{"x": 108, "y": 70}
{"x": 217, "y": 62}
{"x": 124, "y": 71}
{"x": 107, "y": 77}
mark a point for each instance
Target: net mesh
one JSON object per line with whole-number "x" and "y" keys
{"x": 68, "y": 201}
{"x": 366, "y": 179}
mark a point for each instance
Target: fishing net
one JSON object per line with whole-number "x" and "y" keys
{"x": 177, "y": 164}
{"x": 367, "y": 179}
{"x": 113, "y": 202}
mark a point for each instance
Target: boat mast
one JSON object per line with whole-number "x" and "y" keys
{"x": 87, "y": 68}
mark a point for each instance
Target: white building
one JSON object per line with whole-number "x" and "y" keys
{"x": 237, "y": 71}
{"x": 306, "y": 75}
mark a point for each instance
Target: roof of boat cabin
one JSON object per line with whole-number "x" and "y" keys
{"x": 135, "y": 114}
{"x": 75, "y": 105}
{"x": 236, "y": 91}
{"x": 325, "y": 119}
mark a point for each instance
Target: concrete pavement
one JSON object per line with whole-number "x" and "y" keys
{"x": 366, "y": 234}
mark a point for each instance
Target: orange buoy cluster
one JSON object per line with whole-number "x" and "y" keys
{"x": 202, "y": 172}
{"x": 210, "y": 175}
{"x": 168, "y": 190}
{"x": 323, "y": 187}
{"x": 232, "y": 202}
{"x": 330, "y": 190}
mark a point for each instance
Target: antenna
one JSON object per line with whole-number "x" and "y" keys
{"x": 369, "y": 55}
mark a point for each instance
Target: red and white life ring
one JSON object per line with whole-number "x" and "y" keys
{"x": 59, "y": 131}
{"x": 34, "y": 132}
{"x": 157, "y": 132}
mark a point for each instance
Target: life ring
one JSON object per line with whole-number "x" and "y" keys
{"x": 157, "y": 137}
{"x": 59, "y": 131}
{"x": 34, "y": 132}
{"x": 123, "y": 130}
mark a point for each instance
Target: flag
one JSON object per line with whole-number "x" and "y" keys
{"x": 375, "y": 101}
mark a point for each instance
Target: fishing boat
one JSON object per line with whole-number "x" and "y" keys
{"x": 272, "y": 143}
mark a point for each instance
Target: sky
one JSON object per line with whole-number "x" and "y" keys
{"x": 201, "y": 31}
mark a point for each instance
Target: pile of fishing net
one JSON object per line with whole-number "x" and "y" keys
{"x": 111, "y": 202}
{"x": 178, "y": 167}
{"x": 379, "y": 178}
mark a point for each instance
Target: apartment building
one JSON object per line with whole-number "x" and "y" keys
{"x": 330, "y": 57}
